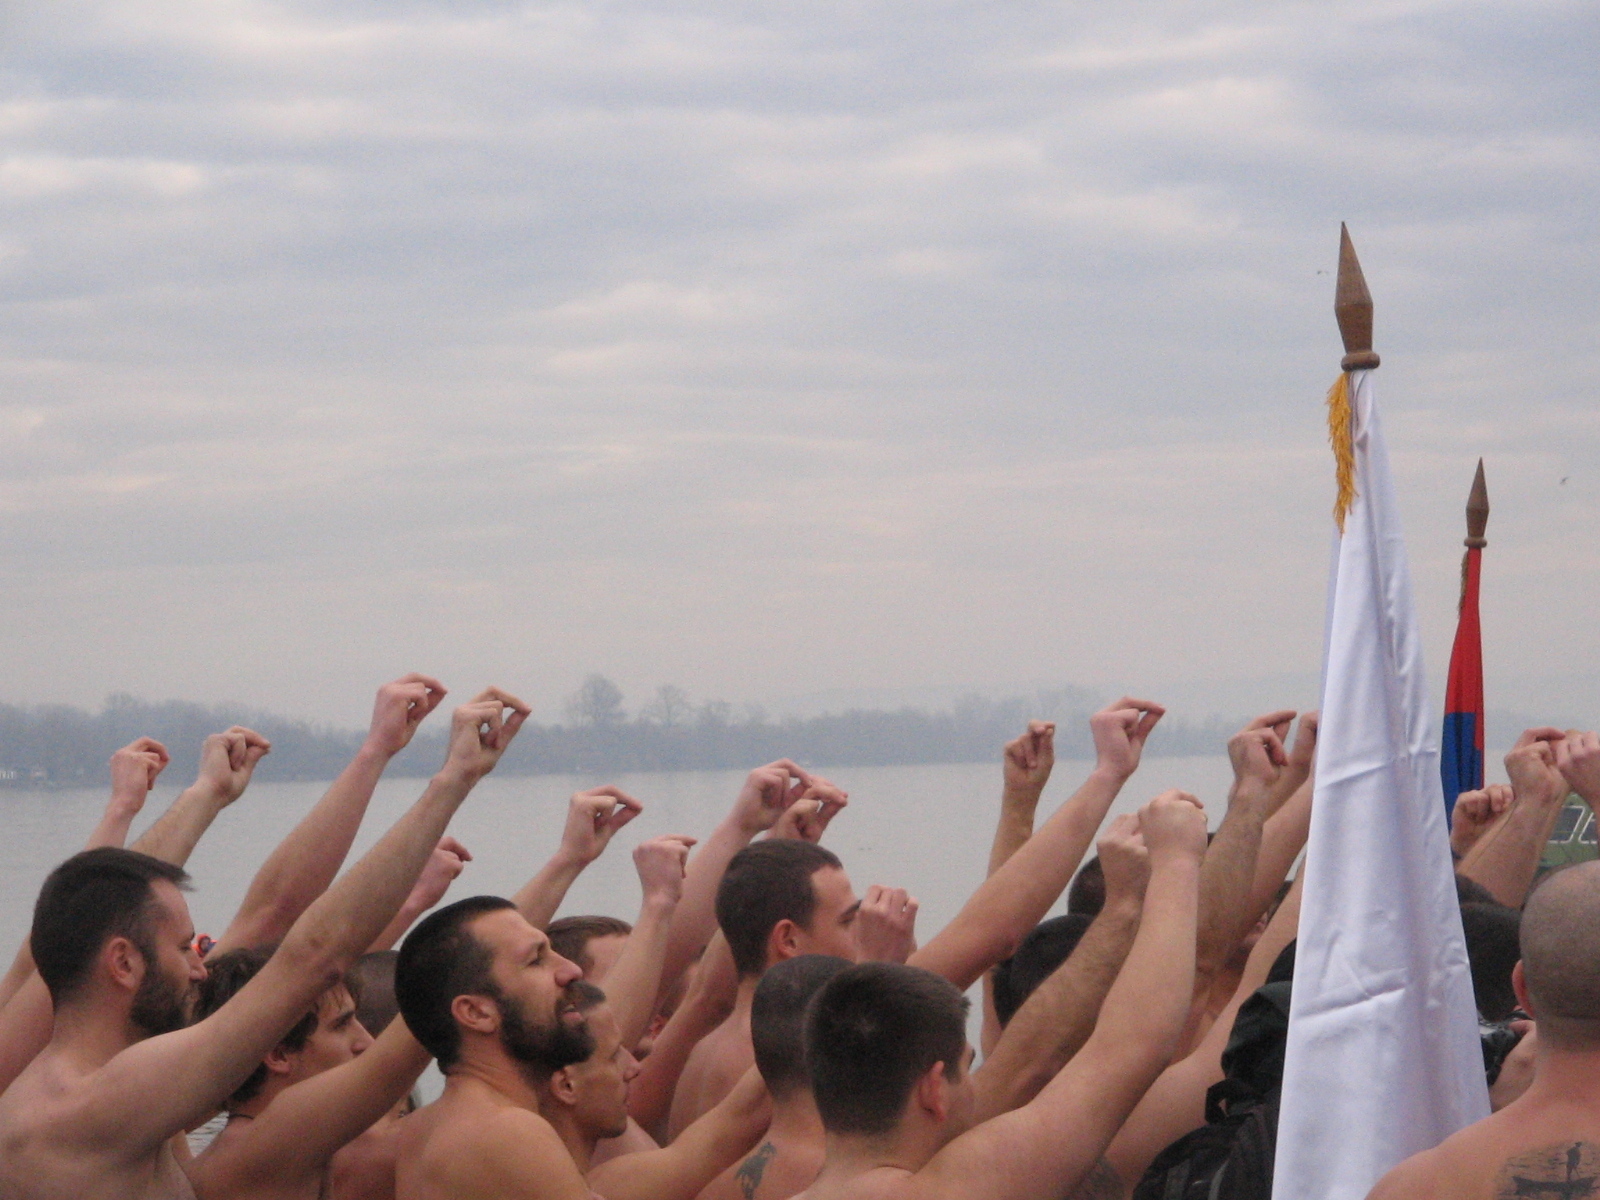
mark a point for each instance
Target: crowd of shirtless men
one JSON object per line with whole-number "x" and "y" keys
{"x": 758, "y": 1031}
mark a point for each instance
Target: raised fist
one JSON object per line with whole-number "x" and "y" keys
{"x": 448, "y": 860}
{"x": 661, "y": 863}
{"x": 593, "y": 817}
{"x": 480, "y": 731}
{"x": 227, "y": 760}
{"x": 767, "y": 794}
{"x": 399, "y": 709}
{"x": 886, "y": 925}
{"x": 1578, "y": 760}
{"x": 1119, "y": 733}
{"x": 1257, "y": 752}
{"x": 1531, "y": 767}
{"x": 1474, "y": 813}
{"x": 1174, "y": 824}
{"x": 807, "y": 818}
{"x": 134, "y": 770}
{"x": 1125, "y": 861}
{"x": 1029, "y": 758}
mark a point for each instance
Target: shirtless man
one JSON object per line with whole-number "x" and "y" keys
{"x": 1547, "y": 1141}
{"x": 94, "y": 1113}
{"x": 790, "y": 1155}
{"x": 886, "y": 1047}
{"x": 991, "y": 925}
{"x": 588, "y": 1101}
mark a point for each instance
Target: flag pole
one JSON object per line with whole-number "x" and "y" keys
{"x": 1352, "y": 308}
{"x": 1461, "y": 757}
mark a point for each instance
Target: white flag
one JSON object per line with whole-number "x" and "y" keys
{"x": 1383, "y": 1056}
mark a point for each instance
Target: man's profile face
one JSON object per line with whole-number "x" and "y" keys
{"x": 337, "y": 1039}
{"x": 539, "y": 1024}
{"x": 173, "y": 970}
{"x": 601, "y": 1080}
{"x": 832, "y": 929}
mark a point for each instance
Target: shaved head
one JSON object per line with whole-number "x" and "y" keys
{"x": 1561, "y": 955}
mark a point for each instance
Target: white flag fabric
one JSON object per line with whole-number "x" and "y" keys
{"x": 1383, "y": 1055}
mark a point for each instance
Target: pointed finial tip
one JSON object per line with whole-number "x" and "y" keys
{"x": 1352, "y": 307}
{"x": 1477, "y": 510}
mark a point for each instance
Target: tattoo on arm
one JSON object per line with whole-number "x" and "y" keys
{"x": 1565, "y": 1171}
{"x": 753, "y": 1168}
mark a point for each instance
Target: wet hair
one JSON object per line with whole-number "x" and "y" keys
{"x": 1560, "y": 939}
{"x": 778, "y": 1017}
{"x": 371, "y": 982}
{"x": 1047, "y": 946}
{"x": 226, "y": 975}
{"x": 1087, "y": 892}
{"x": 440, "y": 960}
{"x": 91, "y": 898}
{"x": 570, "y": 936}
{"x": 871, "y": 1033}
{"x": 764, "y": 884}
{"x": 1493, "y": 948}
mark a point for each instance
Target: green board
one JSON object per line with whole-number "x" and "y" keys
{"x": 1574, "y": 839}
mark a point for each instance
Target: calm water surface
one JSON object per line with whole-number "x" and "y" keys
{"x": 924, "y": 828}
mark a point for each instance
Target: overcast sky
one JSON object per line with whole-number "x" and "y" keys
{"x": 778, "y": 349}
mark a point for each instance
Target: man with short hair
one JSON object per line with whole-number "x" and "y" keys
{"x": 778, "y": 899}
{"x": 93, "y": 1114}
{"x": 886, "y": 1048}
{"x": 587, "y": 1101}
{"x": 1547, "y": 1141}
{"x": 593, "y": 942}
{"x": 790, "y": 1155}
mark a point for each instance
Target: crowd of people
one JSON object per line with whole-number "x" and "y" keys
{"x": 759, "y": 1030}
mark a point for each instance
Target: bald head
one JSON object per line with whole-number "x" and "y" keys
{"x": 1561, "y": 955}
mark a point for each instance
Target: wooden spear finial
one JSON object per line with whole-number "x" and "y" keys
{"x": 1477, "y": 511}
{"x": 1352, "y": 306}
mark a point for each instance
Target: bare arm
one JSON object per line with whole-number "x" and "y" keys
{"x": 1227, "y": 876}
{"x": 635, "y": 978}
{"x": 1022, "y": 1155}
{"x": 227, "y": 761}
{"x": 1055, "y": 1022}
{"x": 1282, "y": 839}
{"x": 766, "y": 794}
{"x": 168, "y": 1083}
{"x": 296, "y": 1136}
{"x": 707, "y": 1005}
{"x": 448, "y": 860}
{"x": 1011, "y": 901}
{"x": 1026, "y": 764}
{"x": 1506, "y": 858}
{"x": 593, "y": 818}
{"x": 305, "y": 862}
{"x": 697, "y": 1156}
{"x": 1176, "y": 1102}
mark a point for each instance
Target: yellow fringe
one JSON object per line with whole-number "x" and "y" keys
{"x": 1344, "y": 454}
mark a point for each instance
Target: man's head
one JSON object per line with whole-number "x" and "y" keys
{"x": 778, "y": 1019}
{"x": 1086, "y": 893}
{"x": 1559, "y": 976}
{"x": 371, "y": 981}
{"x": 593, "y": 1093}
{"x": 781, "y": 898}
{"x": 593, "y": 942}
{"x": 328, "y": 1036}
{"x": 884, "y": 1043}
{"x": 1492, "y": 952}
{"x": 1046, "y": 947}
{"x": 118, "y": 917}
{"x": 476, "y": 971}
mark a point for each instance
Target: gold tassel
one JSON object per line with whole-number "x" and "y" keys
{"x": 1344, "y": 454}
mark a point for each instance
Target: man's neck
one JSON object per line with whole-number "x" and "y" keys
{"x": 743, "y": 999}
{"x": 899, "y": 1150}
{"x": 493, "y": 1068}
{"x": 1563, "y": 1075}
{"x": 90, "y": 1034}
{"x": 578, "y": 1143}
{"x": 795, "y": 1119}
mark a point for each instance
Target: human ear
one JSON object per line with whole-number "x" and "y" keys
{"x": 125, "y": 962}
{"x": 278, "y": 1060}
{"x": 564, "y": 1087}
{"x": 933, "y": 1093}
{"x": 1519, "y": 984}
{"x": 477, "y": 1013}
{"x": 784, "y": 941}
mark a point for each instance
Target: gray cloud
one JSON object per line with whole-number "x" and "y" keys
{"x": 775, "y": 349}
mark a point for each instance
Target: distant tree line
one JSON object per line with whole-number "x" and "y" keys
{"x": 62, "y": 746}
